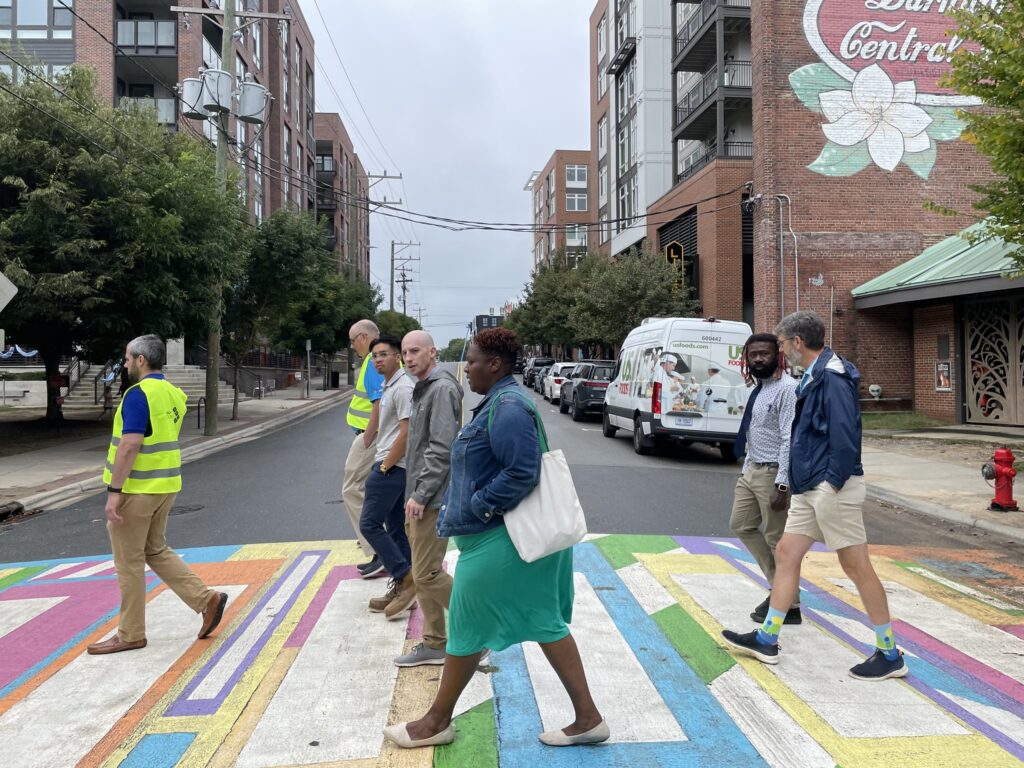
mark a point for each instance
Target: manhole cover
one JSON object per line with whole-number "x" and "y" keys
{"x": 184, "y": 510}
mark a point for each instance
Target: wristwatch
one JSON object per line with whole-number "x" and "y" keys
{"x": 112, "y": 489}
{"x": 782, "y": 488}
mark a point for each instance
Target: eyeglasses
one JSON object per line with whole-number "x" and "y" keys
{"x": 788, "y": 338}
{"x": 382, "y": 355}
{"x": 353, "y": 338}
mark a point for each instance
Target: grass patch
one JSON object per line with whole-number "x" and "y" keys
{"x": 27, "y": 376}
{"x": 899, "y": 420}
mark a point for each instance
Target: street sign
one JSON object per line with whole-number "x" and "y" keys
{"x": 7, "y": 291}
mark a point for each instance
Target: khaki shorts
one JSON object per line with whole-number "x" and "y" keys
{"x": 837, "y": 519}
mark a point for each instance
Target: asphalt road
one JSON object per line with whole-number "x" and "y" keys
{"x": 286, "y": 487}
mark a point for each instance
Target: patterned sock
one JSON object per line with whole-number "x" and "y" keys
{"x": 886, "y": 642}
{"x": 768, "y": 634}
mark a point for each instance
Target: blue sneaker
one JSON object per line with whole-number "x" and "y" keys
{"x": 768, "y": 654}
{"x": 877, "y": 667}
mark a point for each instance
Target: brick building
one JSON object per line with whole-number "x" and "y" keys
{"x": 140, "y": 51}
{"x": 561, "y": 200}
{"x": 342, "y": 185}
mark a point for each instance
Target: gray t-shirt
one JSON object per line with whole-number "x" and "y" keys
{"x": 395, "y": 407}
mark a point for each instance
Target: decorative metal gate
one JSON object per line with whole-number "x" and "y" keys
{"x": 995, "y": 362}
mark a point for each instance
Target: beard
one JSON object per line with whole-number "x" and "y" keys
{"x": 765, "y": 371}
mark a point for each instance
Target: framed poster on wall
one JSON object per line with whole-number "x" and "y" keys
{"x": 943, "y": 376}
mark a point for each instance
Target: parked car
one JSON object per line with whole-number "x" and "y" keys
{"x": 530, "y": 371}
{"x": 538, "y": 378}
{"x": 583, "y": 390}
{"x": 551, "y": 389}
{"x": 519, "y": 365}
{"x": 679, "y": 379}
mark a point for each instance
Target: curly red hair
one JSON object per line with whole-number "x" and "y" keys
{"x": 499, "y": 342}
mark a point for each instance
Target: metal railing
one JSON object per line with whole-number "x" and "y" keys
{"x": 108, "y": 373}
{"x": 688, "y": 31}
{"x": 702, "y": 90}
{"x": 703, "y": 155}
{"x": 148, "y": 33}
{"x": 73, "y": 374}
{"x": 737, "y": 74}
{"x": 166, "y": 109}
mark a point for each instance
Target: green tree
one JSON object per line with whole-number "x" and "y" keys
{"x": 452, "y": 352}
{"x": 392, "y": 323}
{"x": 110, "y": 226}
{"x": 616, "y": 296}
{"x": 286, "y": 266}
{"x": 995, "y": 74}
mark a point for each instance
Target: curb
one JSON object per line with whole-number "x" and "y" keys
{"x": 949, "y": 515}
{"x": 67, "y": 493}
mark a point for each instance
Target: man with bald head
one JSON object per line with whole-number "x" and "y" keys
{"x": 435, "y": 421}
{"x": 363, "y": 416}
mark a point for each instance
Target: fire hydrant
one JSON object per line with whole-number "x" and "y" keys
{"x": 1001, "y": 470}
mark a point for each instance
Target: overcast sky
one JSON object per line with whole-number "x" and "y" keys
{"x": 469, "y": 97}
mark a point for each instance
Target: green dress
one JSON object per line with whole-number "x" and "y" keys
{"x": 499, "y": 600}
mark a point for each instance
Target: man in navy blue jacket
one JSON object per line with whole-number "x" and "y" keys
{"x": 827, "y": 481}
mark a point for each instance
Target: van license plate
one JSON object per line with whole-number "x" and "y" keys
{"x": 684, "y": 421}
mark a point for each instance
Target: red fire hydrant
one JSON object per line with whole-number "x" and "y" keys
{"x": 1001, "y": 470}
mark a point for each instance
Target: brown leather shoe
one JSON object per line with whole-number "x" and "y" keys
{"x": 404, "y": 599}
{"x": 212, "y": 613}
{"x": 114, "y": 644}
{"x": 378, "y": 604}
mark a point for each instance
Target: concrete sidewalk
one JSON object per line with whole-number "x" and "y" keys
{"x": 54, "y": 475}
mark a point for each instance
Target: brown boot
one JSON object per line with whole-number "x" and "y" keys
{"x": 378, "y": 604}
{"x": 114, "y": 644}
{"x": 404, "y": 598}
{"x": 212, "y": 613}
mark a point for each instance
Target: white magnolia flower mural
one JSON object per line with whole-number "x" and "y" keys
{"x": 880, "y": 112}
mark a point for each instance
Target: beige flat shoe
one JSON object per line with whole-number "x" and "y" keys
{"x": 595, "y": 735}
{"x": 400, "y": 736}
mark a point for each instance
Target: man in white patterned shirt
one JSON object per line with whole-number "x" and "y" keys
{"x": 761, "y": 501}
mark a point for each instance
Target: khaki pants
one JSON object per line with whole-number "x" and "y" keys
{"x": 433, "y": 585}
{"x": 754, "y": 521}
{"x": 140, "y": 540}
{"x": 353, "y": 486}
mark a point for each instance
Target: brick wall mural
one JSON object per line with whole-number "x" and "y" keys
{"x": 878, "y": 84}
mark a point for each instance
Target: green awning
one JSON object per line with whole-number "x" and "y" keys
{"x": 952, "y": 267}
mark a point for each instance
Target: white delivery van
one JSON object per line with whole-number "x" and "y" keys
{"x": 679, "y": 379}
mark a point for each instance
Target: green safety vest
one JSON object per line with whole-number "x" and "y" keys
{"x": 360, "y": 407}
{"x": 157, "y": 467}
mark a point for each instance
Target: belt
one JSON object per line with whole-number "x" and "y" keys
{"x": 772, "y": 465}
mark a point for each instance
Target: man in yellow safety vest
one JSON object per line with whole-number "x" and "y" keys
{"x": 362, "y": 419}
{"x": 143, "y": 477}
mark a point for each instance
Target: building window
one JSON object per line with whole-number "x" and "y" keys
{"x": 633, "y": 142}
{"x": 285, "y": 75}
{"x": 575, "y": 174}
{"x": 6, "y": 15}
{"x": 625, "y": 147}
{"x": 606, "y": 230}
{"x": 286, "y": 163}
{"x": 551, "y": 194}
{"x": 626, "y": 93}
{"x": 602, "y": 83}
{"x": 257, "y": 45}
{"x": 602, "y": 137}
{"x": 551, "y": 242}
{"x": 602, "y": 37}
{"x": 576, "y": 236}
{"x": 33, "y": 13}
{"x": 576, "y": 202}
{"x": 602, "y": 178}
{"x": 298, "y": 82}
{"x": 211, "y": 56}
{"x": 241, "y": 68}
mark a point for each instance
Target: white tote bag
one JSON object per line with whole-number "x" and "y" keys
{"x": 551, "y": 518}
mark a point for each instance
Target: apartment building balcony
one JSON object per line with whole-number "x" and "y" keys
{"x": 695, "y": 46}
{"x": 696, "y": 113}
{"x": 708, "y": 152}
{"x": 326, "y": 201}
{"x": 166, "y": 109}
{"x": 147, "y": 37}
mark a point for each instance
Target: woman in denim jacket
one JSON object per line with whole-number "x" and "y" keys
{"x": 497, "y": 599}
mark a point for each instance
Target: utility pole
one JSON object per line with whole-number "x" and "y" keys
{"x": 396, "y": 250}
{"x": 404, "y": 280}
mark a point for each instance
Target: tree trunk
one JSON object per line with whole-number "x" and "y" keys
{"x": 51, "y": 358}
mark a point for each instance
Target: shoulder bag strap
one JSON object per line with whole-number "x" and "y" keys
{"x": 536, "y": 414}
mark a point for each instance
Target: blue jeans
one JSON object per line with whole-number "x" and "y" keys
{"x": 382, "y": 521}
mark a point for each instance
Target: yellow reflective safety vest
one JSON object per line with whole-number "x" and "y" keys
{"x": 360, "y": 407}
{"x": 157, "y": 467}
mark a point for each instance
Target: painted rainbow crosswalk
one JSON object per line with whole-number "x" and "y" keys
{"x": 301, "y": 674}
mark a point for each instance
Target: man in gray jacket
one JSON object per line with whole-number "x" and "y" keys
{"x": 435, "y": 421}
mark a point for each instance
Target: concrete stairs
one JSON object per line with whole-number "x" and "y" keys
{"x": 190, "y": 378}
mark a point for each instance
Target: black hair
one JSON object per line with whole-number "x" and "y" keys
{"x": 392, "y": 341}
